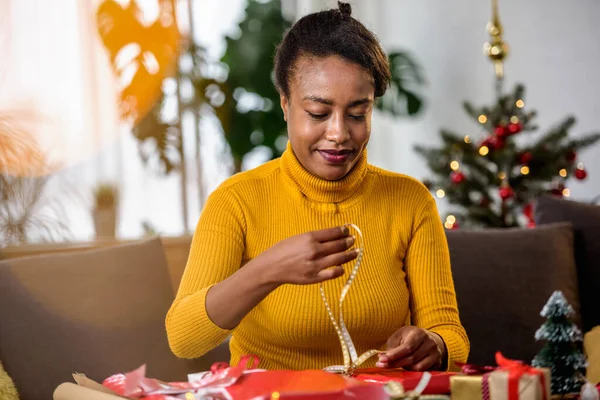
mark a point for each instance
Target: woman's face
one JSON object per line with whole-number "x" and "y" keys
{"x": 328, "y": 114}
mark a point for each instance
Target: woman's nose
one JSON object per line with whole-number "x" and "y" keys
{"x": 337, "y": 130}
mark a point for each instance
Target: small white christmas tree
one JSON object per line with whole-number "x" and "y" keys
{"x": 562, "y": 352}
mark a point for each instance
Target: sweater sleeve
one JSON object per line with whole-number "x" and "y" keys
{"x": 216, "y": 253}
{"x": 431, "y": 286}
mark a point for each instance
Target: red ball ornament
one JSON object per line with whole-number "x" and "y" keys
{"x": 525, "y": 158}
{"x": 580, "y": 174}
{"x": 455, "y": 226}
{"x": 501, "y": 131}
{"x": 558, "y": 190}
{"x": 515, "y": 128}
{"x": 531, "y": 224}
{"x": 506, "y": 193}
{"x": 494, "y": 142}
{"x": 571, "y": 156}
{"x": 457, "y": 177}
{"x": 528, "y": 211}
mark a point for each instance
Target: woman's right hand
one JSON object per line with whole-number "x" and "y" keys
{"x": 307, "y": 258}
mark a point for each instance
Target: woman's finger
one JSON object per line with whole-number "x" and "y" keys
{"x": 340, "y": 258}
{"x": 427, "y": 348}
{"x": 336, "y": 246}
{"x": 409, "y": 343}
{"x": 329, "y": 273}
{"x": 429, "y": 362}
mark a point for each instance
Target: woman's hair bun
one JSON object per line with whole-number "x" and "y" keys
{"x": 345, "y": 8}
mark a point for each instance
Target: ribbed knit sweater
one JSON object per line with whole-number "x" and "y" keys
{"x": 405, "y": 277}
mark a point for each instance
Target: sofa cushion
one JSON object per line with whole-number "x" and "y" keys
{"x": 97, "y": 312}
{"x": 585, "y": 219}
{"x": 503, "y": 278}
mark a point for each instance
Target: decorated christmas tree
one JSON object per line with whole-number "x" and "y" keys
{"x": 492, "y": 177}
{"x": 562, "y": 352}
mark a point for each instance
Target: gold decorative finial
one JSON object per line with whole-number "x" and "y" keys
{"x": 496, "y": 49}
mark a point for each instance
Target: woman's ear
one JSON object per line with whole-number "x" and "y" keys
{"x": 285, "y": 104}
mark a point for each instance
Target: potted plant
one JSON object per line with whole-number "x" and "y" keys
{"x": 105, "y": 210}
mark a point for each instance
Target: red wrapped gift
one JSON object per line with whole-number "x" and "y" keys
{"x": 439, "y": 382}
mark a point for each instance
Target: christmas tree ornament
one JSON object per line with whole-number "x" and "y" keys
{"x": 501, "y": 131}
{"x": 580, "y": 172}
{"x": 589, "y": 392}
{"x": 571, "y": 156}
{"x": 525, "y": 158}
{"x": 561, "y": 352}
{"x": 514, "y": 128}
{"x": 506, "y": 192}
{"x": 496, "y": 49}
{"x": 558, "y": 189}
{"x": 457, "y": 177}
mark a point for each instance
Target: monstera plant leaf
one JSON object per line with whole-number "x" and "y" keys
{"x": 142, "y": 55}
{"x": 402, "y": 98}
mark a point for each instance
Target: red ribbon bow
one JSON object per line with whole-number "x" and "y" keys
{"x": 516, "y": 369}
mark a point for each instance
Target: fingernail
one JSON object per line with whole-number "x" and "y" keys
{"x": 350, "y": 241}
{"x": 357, "y": 251}
{"x": 345, "y": 230}
{"x": 380, "y": 365}
{"x": 383, "y": 358}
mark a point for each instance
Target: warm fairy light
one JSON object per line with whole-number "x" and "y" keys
{"x": 448, "y": 225}
{"x": 484, "y": 150}
{"x": 520, "y": 103}
{"x": 502, "y": 175}
{"x": 563, "y": 173}
{"x": 454, "y": 165}
{"x": 440, "y": 193}
{"x": 467, "y": 139}
{"x": 580, "y": 166}
{"x": 524, "y": 170}
{"x": 514, "y": 119}
{"x": 482, "y": 119}
{"x": 275, "y": 396}
{"x": 566, "y": 192}
{"x": 451, "y": 219}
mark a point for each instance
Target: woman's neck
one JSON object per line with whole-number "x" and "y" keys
{"x": 319, "y": 189}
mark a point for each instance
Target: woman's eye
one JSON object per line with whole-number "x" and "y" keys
{"x": 316, "y": 116}
{"x": 358, "y": 117}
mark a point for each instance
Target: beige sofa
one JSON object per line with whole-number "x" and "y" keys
{"x": 97, "y": 312}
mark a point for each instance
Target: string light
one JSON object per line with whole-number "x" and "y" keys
{"x": 520, "y": 103}
{"x": 275, "y": 396}
{"x": 467, "y": 139}
{"x": 482, "y": 119}
{"x": 580, "y": 166}
{"x": 502, "y": 175}
{"x": 454, "y": 165}
{"x": 484, "y": 150}
{"x": 451, "y": 219}
{"x": 448, "y": 225}
{"x": 524, "y": 170}
{"x": 566, "y": 192}
{"x": 563, "y": 173}
{"x": 514, "y": 119}
{"x": 440, "y": 193}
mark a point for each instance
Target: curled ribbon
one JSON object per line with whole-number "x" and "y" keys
{"x": 351, "y": 358}
{"x": 516, "y": 369}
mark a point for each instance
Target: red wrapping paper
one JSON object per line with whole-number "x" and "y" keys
{"x": 438, "y": 384}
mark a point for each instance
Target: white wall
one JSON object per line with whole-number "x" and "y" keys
{"x": 555, "y": 51}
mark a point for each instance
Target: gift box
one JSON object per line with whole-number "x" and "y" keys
{"x": 510, "y": 380}
{"x": 438, "y": 382}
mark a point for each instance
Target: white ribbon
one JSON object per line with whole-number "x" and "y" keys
{"x": 351, "y": 358}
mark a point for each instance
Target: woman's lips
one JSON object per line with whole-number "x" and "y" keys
{"x": 335, "y": 156}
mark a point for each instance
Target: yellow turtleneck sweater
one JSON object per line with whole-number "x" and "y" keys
{"x": 404, "y": 278}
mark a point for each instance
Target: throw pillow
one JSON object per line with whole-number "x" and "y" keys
{"x": 503, "y": 278}
{"x": 585, "y": 219}
{"x": 7, "y": 387}
{"x": 591, "y": 344}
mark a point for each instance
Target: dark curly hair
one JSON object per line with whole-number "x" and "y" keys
{"x": 328, "y": 33}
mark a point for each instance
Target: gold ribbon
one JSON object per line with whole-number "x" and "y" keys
{"x": 351, "y": 358}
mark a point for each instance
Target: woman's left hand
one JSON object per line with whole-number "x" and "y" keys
{"x": 414, "y": 349}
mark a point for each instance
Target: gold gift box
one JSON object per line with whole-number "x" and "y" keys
{"x": 470, "y": 387}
